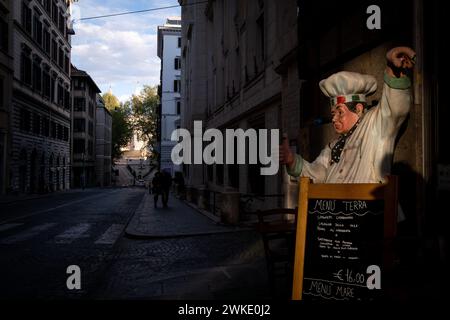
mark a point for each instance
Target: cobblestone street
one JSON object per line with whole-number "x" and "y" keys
{"x": 220, "y": 266}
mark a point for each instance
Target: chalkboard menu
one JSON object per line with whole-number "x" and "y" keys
{"x": 343, "y": 238}
{"x": 340, "y": 239}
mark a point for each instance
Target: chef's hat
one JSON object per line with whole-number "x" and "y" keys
{"x": 347, "y": 86}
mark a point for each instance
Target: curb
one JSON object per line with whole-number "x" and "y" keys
{"x": 142, "y": 236}
{"x": 207, "y": 214}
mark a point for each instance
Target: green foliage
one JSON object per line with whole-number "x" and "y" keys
{"x": 139, "y": 114}
{"x": 122, "y": 129}
{"x": 111, "y": 101}
{"x": 144, "y": 108}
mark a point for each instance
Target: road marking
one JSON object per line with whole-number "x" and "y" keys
{"x": 61, "y": 206}
{"x": 111, "y": 235}
{"x": 28, "y": 234}
{"x": 226, "y": 273}
{"x": 76, "y": 232}
{"x": 8, "y": 226}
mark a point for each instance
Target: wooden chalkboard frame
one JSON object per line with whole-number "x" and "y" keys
{"x": 357, "y": 191}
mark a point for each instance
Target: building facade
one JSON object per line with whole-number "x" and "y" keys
{"x": 239, "y": 70}
{"x": 40, "y": 114}
{"x": 169, "y": 51}
{"x": 84, "y": 105}
{"x": 6, "y": 76}
{"x": 103, "y": 126}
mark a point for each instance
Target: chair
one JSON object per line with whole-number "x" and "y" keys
{"x": 277, "y": 228}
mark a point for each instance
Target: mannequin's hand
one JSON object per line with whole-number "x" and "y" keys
{"x": 399, "y": 60}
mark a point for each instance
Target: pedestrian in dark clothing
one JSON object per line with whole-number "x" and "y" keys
{"x": 157, "y": 187}
{"x": 166, "y": 184}
{"x": 179, "y": 181}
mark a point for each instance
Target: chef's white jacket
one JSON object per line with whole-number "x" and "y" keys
{"x": 368, "y": 152}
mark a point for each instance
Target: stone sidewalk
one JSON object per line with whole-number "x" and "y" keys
{"x": 178, "y": 220}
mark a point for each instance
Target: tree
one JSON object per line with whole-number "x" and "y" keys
{"x": 144, "y": 107}
{"x": 111, "y": 101}
{"x": 122, "y": 129}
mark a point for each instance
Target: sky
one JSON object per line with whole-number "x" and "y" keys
{"x": 119, "y": 52}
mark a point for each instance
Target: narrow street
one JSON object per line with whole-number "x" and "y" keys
{"x": 52, "y": 233}
{"x": 40, "y": 238}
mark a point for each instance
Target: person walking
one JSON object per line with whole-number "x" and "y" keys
{"x": 166, "y": 182}
{"x": 156, "y": 187}
{"x": 179, "y": 182}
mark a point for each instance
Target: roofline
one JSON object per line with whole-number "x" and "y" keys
{"x": 161, "y": 32}
{"x": 83, "y": 74}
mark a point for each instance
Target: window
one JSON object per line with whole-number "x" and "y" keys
{"x": 26, "y": 18}
{"x": 67, "y": 99}
{"x": 60, "y": 132}
{"x": 79, "y": 84}
{"x": 66, "y": 134}
{"x": 25, "y": 118}
{"x": 78, "y": 146}
{"x": 91, "y": 109}
{"x": 37, "y": 30}
{"x": 36, "y": 124}
{"x": 91, "y": 128}
{"x": 260, "y": 39}
{"x": 46, "y": 41}
{"x": 52, "y": 88}
{"x": 90, "y": 148}
{"x": 179, "y": 42}
{"x": 47, "y": 6}
{"x": 61, "y": 58}
{"x": 54, "y": 51}
{"x": 62, "y": 23}
{"x": 66, "y": 64}
{"x": 79, "y": 125}
{"x": 79, "y": 104}
{"x": 53, "y": 130}
{"x": 177, "y": 63}
{"x": 37, "y": 77}
{"x": 176, "y": 85}
{"x": 92, "y": 93}
{"x": 4, "y": 34}
{"x": 46, "y": 84}
{"x": 60, "y": 95}
{"x": 25, "y": 71}
{"x": 45, "y": 127}
{"x": 55, "y": 12}
{"x": 178, "y": 107}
